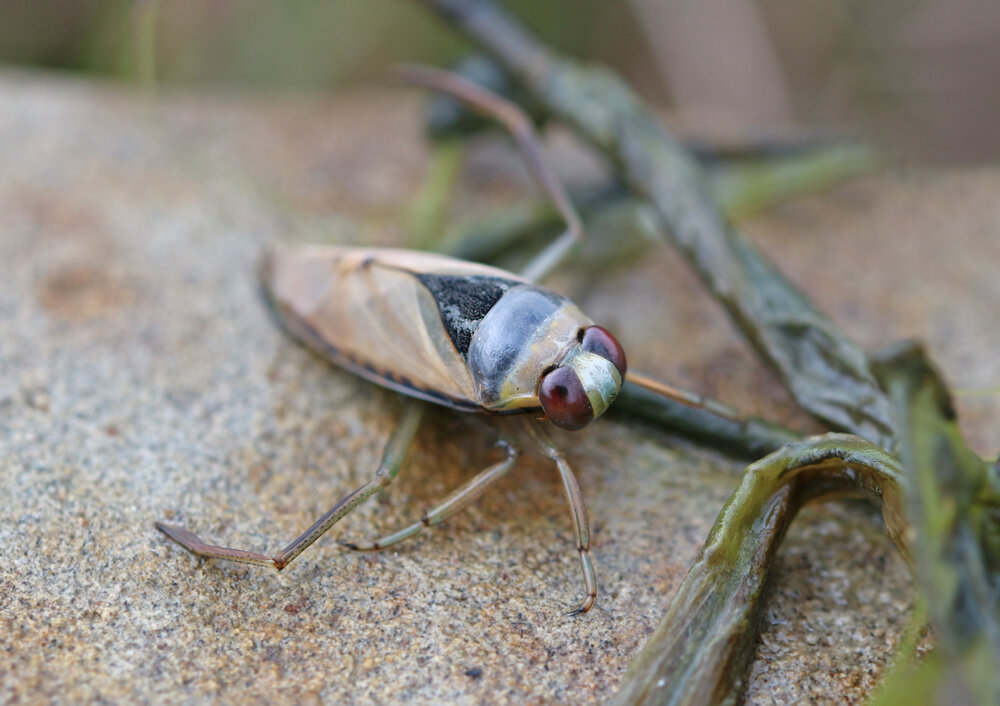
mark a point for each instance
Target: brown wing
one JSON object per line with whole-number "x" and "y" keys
{"x": 367, "y": 310}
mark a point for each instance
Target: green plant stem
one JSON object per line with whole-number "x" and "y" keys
{"x": 826, "y": 372}
{"x": 748, "y": 438}
{"x": 701, "y": 650}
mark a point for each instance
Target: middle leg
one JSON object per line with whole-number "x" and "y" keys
{"x": 578, "y": 509}
{"x": 458, "y": 500}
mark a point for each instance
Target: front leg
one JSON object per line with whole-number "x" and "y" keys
{"x": 578, "y": 509}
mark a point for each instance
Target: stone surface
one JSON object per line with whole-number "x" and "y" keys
{"x": 142, "y": 380}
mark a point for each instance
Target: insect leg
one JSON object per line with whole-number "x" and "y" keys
{"x": 683, "y": 396}
{"x": 578, "y": 509}
{"x": 457, "y": 501}
{"x": 392, "y": 459}
{"x": 513, "y": 118}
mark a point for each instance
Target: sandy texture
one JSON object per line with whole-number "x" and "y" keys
{"x": 142, "y": 379}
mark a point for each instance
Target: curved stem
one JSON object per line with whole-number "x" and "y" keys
{"x": 700, "y": 651}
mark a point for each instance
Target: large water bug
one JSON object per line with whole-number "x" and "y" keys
{"x": 464, "y": 335}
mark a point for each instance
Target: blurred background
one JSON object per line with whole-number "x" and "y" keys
{"x": 917, "y": 77}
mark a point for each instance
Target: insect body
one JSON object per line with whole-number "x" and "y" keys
{"x": 468, "y": 336}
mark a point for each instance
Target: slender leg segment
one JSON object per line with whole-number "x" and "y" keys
{"x": 519, "y": 125}
{"x": 456, "y": 502}
{"x": 578, "y": 508}
{"x": 683, "y": 396}
{"x": 392, "y": 459}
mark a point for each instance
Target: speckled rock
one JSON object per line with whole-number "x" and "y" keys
{"x": 142, "y": 379}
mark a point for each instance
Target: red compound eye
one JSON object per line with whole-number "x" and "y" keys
{"x": 564, "y": 400}
{"x": 598, "y": 341}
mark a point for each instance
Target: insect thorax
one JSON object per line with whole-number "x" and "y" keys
{"x": 528, "y": 330}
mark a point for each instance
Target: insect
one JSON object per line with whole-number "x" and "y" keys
{"x": 467, "y": 336}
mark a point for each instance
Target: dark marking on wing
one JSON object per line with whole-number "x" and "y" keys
{"x": 463, "y": 301}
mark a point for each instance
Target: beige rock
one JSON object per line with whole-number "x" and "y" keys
{"x": 142, "y": 379}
